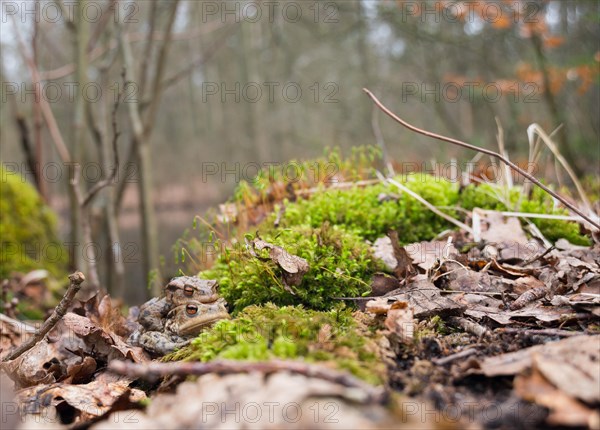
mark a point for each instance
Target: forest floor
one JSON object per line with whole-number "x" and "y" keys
{"x": 499, "y": 333}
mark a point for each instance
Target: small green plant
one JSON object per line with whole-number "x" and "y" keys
{"x": 329, "y": 168}
{"x": 290, "y": 332}
{"x": 340, "y": 266}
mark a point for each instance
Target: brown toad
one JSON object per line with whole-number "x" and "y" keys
{"x": 189, "y": 305}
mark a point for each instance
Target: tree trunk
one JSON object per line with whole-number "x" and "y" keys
{"x": 78, "y": 249}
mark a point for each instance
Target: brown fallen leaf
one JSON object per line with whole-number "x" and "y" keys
{"x": 425, "y": 299}
{"x": 570, "y": 364}
{"x": 505, "y": 239}
{"x": 33, "y": 367}
{"x": 564, "y": 409}
{"x": 103, "y": 343}
{"x": 293, "y": 267}
{"x": 404, "y": 267}
{"x": 79, "y": 373}
{"x": 379, "y": 306}
{"x": 425, "y": 254}
{"x": 400, "y": 321}
{"x": 382, "y": 283}
{"x": 88, "y": 400}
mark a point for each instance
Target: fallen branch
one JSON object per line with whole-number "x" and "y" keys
{"x": 76, "y": 279}
{"x": 542, "y": 332}
{"x": 450, "y": 358}
{"x": 485, "y": 151}
{"x": 538, "y": 257}
{"x": 469, "y": 326}
{"x": 155, "y": 370}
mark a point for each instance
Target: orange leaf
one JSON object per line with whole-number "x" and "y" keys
{"x": 553, "y": 41}
{"x": 501, "y": 22}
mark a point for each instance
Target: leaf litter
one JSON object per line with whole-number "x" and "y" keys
{"x": 497, "y": 334}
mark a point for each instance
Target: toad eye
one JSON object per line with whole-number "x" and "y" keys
{"x": 191, "y": 310}
{"x": 188, "y": 291}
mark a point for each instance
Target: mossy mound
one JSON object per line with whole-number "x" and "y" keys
{"x": 28, "y": 237}
{"x": 265, "y": 332}
{"x": 331, "y": 227}
{"x": 340, "y": 262}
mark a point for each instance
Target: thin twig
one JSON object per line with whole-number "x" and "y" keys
{"x": 543, "y": 331}
{"x": 500, "y": 138}
{"x": 44, "y": 105}
{"x": 536, "y": 129}
{"x": 380, "y": 142}
{"x": 76, "y": 279}
{"x": 485, "y": 151}
{"x": 450, "y": 358}
{"x": 154, "y": 370}
{"x": 429, "y": 206}
{"x": 536, "y": 258}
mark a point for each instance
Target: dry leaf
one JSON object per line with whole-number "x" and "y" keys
{"x": 400, "y": 321}
{"x": 564, "y": 409}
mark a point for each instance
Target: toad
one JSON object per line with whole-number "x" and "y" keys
{"x": 189, "y": 305}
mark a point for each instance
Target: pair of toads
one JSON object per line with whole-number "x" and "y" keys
{"x": 189, "y": 305}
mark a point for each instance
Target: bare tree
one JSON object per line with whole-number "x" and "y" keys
{"x": 141, "y": 131}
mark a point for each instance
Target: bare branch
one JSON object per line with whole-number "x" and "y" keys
{"x": 155, "y": 370}
{"x": 61, "y": 147}
{"x": 76, "y": 279}
{"x": 147, "y": 49}
{"x": 113, "y": 174}
{"x": 200, "y": 60}
{"x": 485, "y": 151}
{"x": 97, "y": 51}
{"x": 161, "y": 62}
{"x": 68, "y": 20}
{"x": 105, "y": 19}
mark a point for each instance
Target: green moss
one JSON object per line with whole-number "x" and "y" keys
{"x": 361, "y": 209}
{"x": 488, "y": 196}
{"x": 28, "y": 236}
{"x": 553, "y": 229}
{"x": 330, "y": 228}
{"x": 291, "y": 332}
{"x": 340, "y": 266}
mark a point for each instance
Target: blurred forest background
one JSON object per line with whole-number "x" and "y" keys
{"x": 227, "y": 83}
